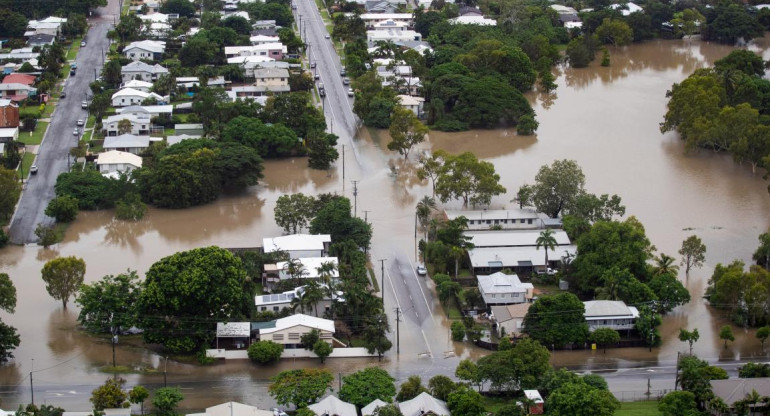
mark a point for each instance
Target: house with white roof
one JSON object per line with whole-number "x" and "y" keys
{"x": 277, "y": 301}
{"x": 613, "y": 314}
{"x": 390, "y": 25}
{"x": 299, "y": 245}
{"x": 424, "y": 404}
{"x": 41, "y": 39}
{"x": 49, "y": 26}
{"x": 271, "y": 77}
{"x": 9, "y": 134}
{"x": 140, "y": 124}
{"x": 332, "y": 406}
{"x": 309, "y": 267}
{"x": 129, "y": 96}
{"x": 233, "y": 409}
{"x": 158, "y": 30}
{"x": 516, "y": 250}
{"x": 274, "y": 50}
{"x": 506, "y": 219}
{"x": 263, "y": 39}
{"x": 142, "y": 71}
{"x": 413, "y": 104}
{"x": 375, "y": 36}
{"x": 288, "y": 331}
{"x": 155, "y": 17}
{"x": 117, "y": 162}
{"x": 627, "y": 8}
{"x": 372, "y": 407}
{"x": 147, "y": 110}
{"x": 510, "y": 318}
{"x": 235, "y": 335}
{"x": 172, "y": 140}
{"x": 127, "y": 143}
{"x": 372, "y": 19}
{"x": 138, "y": 85}
{"x": 504, "y": 289}
{"x": 151, "y": 50}
{"x": 536, "y": 406}
{"x": 473, "y": 20}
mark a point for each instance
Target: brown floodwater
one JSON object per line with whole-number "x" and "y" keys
{"x": 604, "y": 118}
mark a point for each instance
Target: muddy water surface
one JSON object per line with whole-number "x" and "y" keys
{"x": 605, "y": 118}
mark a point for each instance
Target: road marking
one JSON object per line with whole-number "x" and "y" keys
{"x": 426, "y": 342}
{"x": 410, "y": 298}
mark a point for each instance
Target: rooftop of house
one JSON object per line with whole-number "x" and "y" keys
{"x": 424, "y": 403}
{"x": 117, "y": 157}
{"x": 494, "y": 214}
{"x": 233, "y": 409}
{"x": 735, "y": 389}
{"x": 126, "y": 140}
{"x": 604, "y": 309}
{"x": 504, "y": 313}
{"x": 513, "y": 238}
{"x": 139, "y": 66}
{"x": 17, "y": 78}
{"x": 271, "y": 73}
{"x": 332, "y": 406}
{"x": 502, "y": 283}
{"x": 296, "y": 242}
{"x": 300, "y": 319}
{"x": 370, "y": 408}
{"x": 148, "y": 45}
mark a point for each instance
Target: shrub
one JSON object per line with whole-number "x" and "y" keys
{"x": 458, "y": 331}
{"x": 265, "y": 352}
{"x": 130, "y": 208}
{"x": 48, "y": 235}
{"x": 63, "y": 208}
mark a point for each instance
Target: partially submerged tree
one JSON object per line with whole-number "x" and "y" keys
{"x": 693, "y": 253}
{"x": 63, "y": 276}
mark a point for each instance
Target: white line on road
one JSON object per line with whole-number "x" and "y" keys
{"x": 427, "y": 343}
{"x": 420, "y": 286}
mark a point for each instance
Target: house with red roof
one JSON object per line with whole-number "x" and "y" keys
{"x": 17, "y": 87}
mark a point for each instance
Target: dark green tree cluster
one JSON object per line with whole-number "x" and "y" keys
{"x": 197, "y": 171}
{"x": 110, "y": 303}
{"x": 40, "y": 9}
{"x": 12, "y": 24}
{"x": 279, "y": 11}
{"x": 92, "y": 190}
{"x": 724, "y": 108}
{"x": 694, "y": 376}
{"x": 742, "y": 294}
{"x": 557, "y": 320}
{"x": 367, "y": 385}
{"x": 9, "y": 338}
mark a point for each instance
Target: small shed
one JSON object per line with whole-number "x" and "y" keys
{"x": 536, "y": 402}
{"x": 233, "y": 335}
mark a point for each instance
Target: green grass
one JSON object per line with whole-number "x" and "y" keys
{"x": 375, "y": 283}
{"x": 87, "y": 136}
{"x": 26, "y": 162}
{"x": 452, "y": 309}
{"x": 494, "y": 404}
{"x": 91, "y": 121}
{"x": 645, "y": 408}
{"x": 37, "y": 135}
{"x": 72, "y": 53}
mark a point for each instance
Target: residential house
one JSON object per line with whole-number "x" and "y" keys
{"x": 371, "y": 408}
{"x": 380, "y": 6}
{"x": 41, "y": 40}
{"x": 234, "y": 13}
{"x": 190, "y": 82}
{"x": 308, "y": 265}
{"x": 504, "y": 289}
{"x": 566, "y": 14}
{"x": 142, "y": 71}
{"x": 424, "y": 404}
{"x": 390, "y": 25}
{"x": 375, "y": 36}
{"x": 115, "y": 161}
{"x": 138, "y": 85}
{"x": 233, "y": 409}
{"x": 510, "y": 318}
{"x": 130, "y": 96}
{"x": 737, "y": 389}
{"x": 127, "y": 143}
{"x": 264, "y": 25}
{"x": 22, "y": 54}
{"x": 25, "y": 79}
{"x": 9, "y": 134}
{"x": 627, "y": 8}
{"x": 536, "y": 406}
{"x": 277, "y": 301}
{"x": 150, "y": 50}
{"x": 233, "y": 335}
{"x": 275, "y": 50}
{"x": 473, "y": 20}
{"x": 288, "y": 331}
{"x": 299, "y": 245}
{"x": 613, "y": 314}
{"x": 18, "y": 87}
{"x": 49, "y": 26}
{"x": 262, "y": 39}
{"x": 372, "y": 19}
{"x": 250, "y": 65}
{"x": 188, "y": 129}
{"x": 271, "y": 77}
{"x": 332, "y": 406}
{"x": 156, "y": 17}
{"x": 516, "y": 250}
{"x": 140, "y": 124}
{"x": 147, "y": 110}
{"x": 413, "y": 104}
{"x": 158, "y": 30}
{"x": 506, "y": 219}
{"x": 9, "y": 113}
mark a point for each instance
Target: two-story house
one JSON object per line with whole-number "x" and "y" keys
{"x": 142, "y": 71}
{"x": 504, "y": 289}
{"x": 129, "y": 96}
{"x": 150, "y": 50}
{"x": 140, "y": 124}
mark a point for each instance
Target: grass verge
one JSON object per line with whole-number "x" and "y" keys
{"x": 72, "y": 53}
{"x": 644, "y": 408}
{"x": 452, "y": 309}
{"x": 375, "y": 283}
{"x": 36, "y": 137}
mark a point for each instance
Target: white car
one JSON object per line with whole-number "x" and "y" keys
{"x": 549, "y": 271}
{"x": 421, "y": 270}
{"x": 327, "y": 36}
{"x": 82, "y": 44}
{"x": 33, "y": 170}
{"x": 81, "y": 123}
{"x": 75, "y": 132}
{"x": 351, "y": 93}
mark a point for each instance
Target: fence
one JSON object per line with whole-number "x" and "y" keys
{"x": 635, "y": 396}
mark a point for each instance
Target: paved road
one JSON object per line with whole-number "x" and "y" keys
{"x": 53, "y": 154}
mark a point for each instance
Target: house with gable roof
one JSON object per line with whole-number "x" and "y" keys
{"x": 422, "y": 405}
{"x": 333, "y": 406}
{"x": 504, "y": 289}
{"x": 151, "y": 50}
{"x": 613, "y": 314}
{"x": 142, "y": 71}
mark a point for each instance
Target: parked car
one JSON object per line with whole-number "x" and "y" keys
{"x": 73, "y": 71}
{"x": 278, "y": 412}
{"x": 75, "y": 132}
{"x": 312, "y": 65}
{"x": 81, "y": 123}
{"x": 421, "y": 270}
{"x": 351, "y": 93}
{"x": 549, "y": 271}
{"x": 343, "y": 72}
{"x": 33, "y": 170}
{"x": 82, "y": 44}
{"x": 317, "y": 77}
{"x": 63, "y": 94}
{"x": 84, "y": 104}
{"x": 346, "y": 81}
{"x": 327, "y": 36}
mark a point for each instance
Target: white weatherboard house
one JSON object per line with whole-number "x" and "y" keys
{"x": 370, "y": 408}
{"x": 504, "y": 289}
{"x": 309, "y": 267}
{"x": 332, "y": 406}
{"x": 510, "y": 318}
{"x": 264, "y": 77}
{"x": 145, "y": 49}
{"x": 516, "y": 250}
{"x": 138, "y": 85}
{"x": 513, "y": 218}
{"x": 413, "y": 104}
{"x": 424, "y": 404}
{"x": 613, "y": 314}
{"x": 299, "y": 245}
{"x": 130, "y": 96}
{"x": 142, "y": 71}
{"x": 140, "y": 125}
{"x": 288, "y": 331}
{"x": 114, "y": 161}
{"x": 127, "y": 143}
{"x": 233, "y": 409}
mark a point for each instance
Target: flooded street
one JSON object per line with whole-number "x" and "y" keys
{"x": 604, "y": 118}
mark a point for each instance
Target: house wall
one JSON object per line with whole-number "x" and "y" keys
{"x": 134, "y": 150}
{"x": 290, "y": 337}
{"x": 512, "y": 326}
{"x": 293, "y": 353}
{"x": 9, "y": 116}
{"x": 137, "y": 54}
{"x": 505, "y": 223}
{"x": 271, "y": 82}
{"x": 144, "y": 76}
{"x": 503, "y": 298}
{"x": 298, "y": 254}
{"x": 116, "y": 167}
{"x": 138, "y": 129}
{"x": 616, "y": 324}
{"x": 125, "y": 101}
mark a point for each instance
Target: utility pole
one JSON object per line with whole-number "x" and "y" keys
{"x": 355, "y": 199}
{"x": 339, "y": 381}
{"x": 398, "y": 333}
{"x": 366, "y": 216}
{"x": 379, "y": 336}
{"x": 32, "y": 387}
{"x": 343, "y": 165}
{"x": 165, "y": 367}
{"x": 382, "y": 280}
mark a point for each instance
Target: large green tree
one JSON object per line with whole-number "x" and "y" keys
{"x": 10, "y": 189}
{"x": 110, "y": 395}
{"x": 166, "y": 399}
{"x": 556, "y": 320}
{"x": 334, "y": 218}
{"x": 678, "y": 403}
{"x": 109, "y": 303}
{"x": 293, "y": 212}
{"x": 270, "y": 141}
{"x": 300, "y": 387}
{"x": 63, "y": 276}
{"x": 557, "y": 187}
{"x": 406, "y": 131}
{"x": 467, "y": 178}
{"x": 367, "y": 385}
{"x": 693, "y": 253}
{"x": 581, "y": 399}
{"x": 521, "y": 367}
{"x": 186, "y": 293}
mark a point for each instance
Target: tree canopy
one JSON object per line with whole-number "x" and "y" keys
{"x": 556, "y": 320}
{"x": 364, "y": 386}
{"x": 300, "y": 387}
{"x": 63, "y": 276}
{"x": 109, "y": 303}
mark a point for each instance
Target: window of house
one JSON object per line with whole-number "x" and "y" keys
{"x": 489, "y": 221}
{"x": 277, "y": 337}
{"x": 497, "y": 222}
{"x": 529, "y": 221}
{"x": 494, "y": 295}
{"x": 275, "y": 308}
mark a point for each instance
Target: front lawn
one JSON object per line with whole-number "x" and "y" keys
{"x": 644, "y": 408}
{"x": 36, "y": 137}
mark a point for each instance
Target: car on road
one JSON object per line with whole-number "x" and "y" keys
{"x": 351, "y": 92}
{"x": 343, "y": 72}
{"x": 33, "y": 170}
{"x": 278, "y": 412}
{"x": 312, "y": 65}
{"x": 327, "y": 36}
{"x": 76, "y": 132}
{"x": 421, "y": 270}
{"x": 317, "y": 77}
{"x": 346, "y": 81}
{"x": 82, "y": 44}
{"x": 549, "y": 271}
{"x": 84, "y": 104}
{"x": 63, "y": 94}
{"x": 73, "y": 71}
{"x": 80, "y": 123}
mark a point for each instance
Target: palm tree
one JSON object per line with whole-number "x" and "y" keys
{"x": 665, "y": 265}
{"x": 326, "y": 274}
{"x": 311, "y": 295}
{"x": 547, "y": 241}
{"x": 296, "y": 269}
{"x": 424, "y": 208}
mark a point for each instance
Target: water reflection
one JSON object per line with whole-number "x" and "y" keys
{"x": 62, "y": 333}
